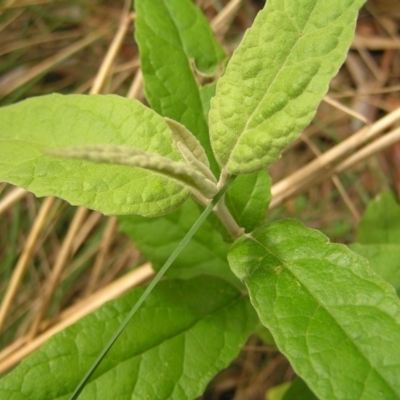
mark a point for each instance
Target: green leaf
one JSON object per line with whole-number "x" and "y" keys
{"x": 206, "y": 94}
{"x": 182, "y": 135}
{"x": 379, "y": 237}
{"x": 337, "y": 322}
{"x": 276, "y": 79}
{"x": 131, "y": 157}
{"x": 381, "y": 221}
{"x": 156, "y": 238}
{"x": 183, "y": 335}
{"x": 190, "y": 148}
{"x": 32, "y": 126}
{"x": 174, "y": 40}
{"x": 248, "y": 199}
{"x": 384, "y": 259}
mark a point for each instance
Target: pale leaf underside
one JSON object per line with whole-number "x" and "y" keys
{"x": 128, "y": 156}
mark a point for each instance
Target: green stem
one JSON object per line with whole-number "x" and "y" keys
{"x": 224, "y": 215}
{"x": 149, "y": 288}
{"x": 222, "y": 212}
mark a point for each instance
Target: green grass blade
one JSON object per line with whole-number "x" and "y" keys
{"x": 151, "y": 286}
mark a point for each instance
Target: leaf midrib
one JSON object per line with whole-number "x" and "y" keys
{"x": 203, "y": 317}
{"x": 310, "y": 293}
{"x": 236, "y": 142}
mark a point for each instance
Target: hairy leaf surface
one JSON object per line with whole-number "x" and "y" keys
{"x": 31, "y": 127}
{"x": 185, "y": 332}
{"x": 190, "y": 148}
{"x": 330, "y": 314}
{"x": 276, "y": 79}
{"x": 132, "y": 157}
{"x": 175, "y": 40}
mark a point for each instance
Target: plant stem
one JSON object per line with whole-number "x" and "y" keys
{"x": 222, "y": 212}
{"x": 224, "y": 215}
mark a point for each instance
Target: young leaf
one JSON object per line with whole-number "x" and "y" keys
{"x": 170, "y": 35}
{"x": 205, "y": 254}
{"x": 190, "y": 148}
{"x": 276, "y": 78}
{"x": 248, "y": 199}
{"x": 337, "y": 322}
{"x": 32, "y": 126}
{"x": 129, "y": 156}
{"x": 183, "y": 335}
{"x": 206, "y": 94}
{"x": 182, "y": 135}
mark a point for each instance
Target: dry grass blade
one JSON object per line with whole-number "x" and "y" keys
{"x": 111, "y": 54}
{"x": 101, "y": 255}
{"x": 317, "y": 169}
{"x": 336, "y": 181}
{"x": 347, "y": 110}
{"x": 38, "y": 40}
{"x": 380, "y": 144}
{"x": 23, "y": 3}
{"x": 39, "y": 69}
{"x": 376, "y": 43}
{"x": 10, "y": 357}
{"x": 63, "y": 258}
{"x": 23, "y": 261}
{"x": 223, "y": 19}
{"x": 14, "y": 196}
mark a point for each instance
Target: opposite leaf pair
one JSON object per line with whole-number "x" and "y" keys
{"x": 335, "y": 320}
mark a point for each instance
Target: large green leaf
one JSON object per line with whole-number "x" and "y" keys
{"x": 276, "y": 78}
{"x": 157, "y": 238}
{"x": 330, "y": 314}
{"x": 183, "y": 335}
{"x": 33, "y": 126}
{"x": 174, "y": 40}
